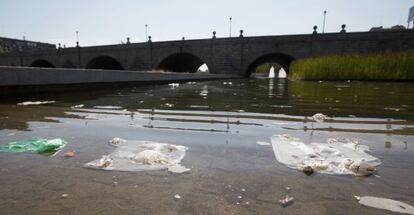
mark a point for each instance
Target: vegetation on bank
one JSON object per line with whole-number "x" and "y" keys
{"x": 397, "y": 66}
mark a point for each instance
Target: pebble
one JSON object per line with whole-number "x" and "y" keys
{"x": 308, "y": 170}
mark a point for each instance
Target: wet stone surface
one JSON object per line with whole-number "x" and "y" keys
{"x": 220, "y": 124}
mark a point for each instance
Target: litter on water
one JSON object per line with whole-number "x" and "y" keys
{"x": 176, "y": 196}
{"x": 385, "y": 204}
{"x": 335, "y": 157}
{"x": 173, "y": 84}
{"x": 263, "y": 143}
{"x": 35, "y": 103}
{"x": 116, "y": 141}
{"x": 319, "y": 117}
{"x": 286, "y": 201}
{"x": 36, "y": 145}
{"x": 142, "y": 156}
{"x": 78, "y": 106}
{"x": 107, "y": 107}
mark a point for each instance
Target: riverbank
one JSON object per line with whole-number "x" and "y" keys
{"x": 398, "y": 66}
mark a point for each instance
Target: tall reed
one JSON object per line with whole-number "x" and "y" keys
{"x": 395, "y": 66}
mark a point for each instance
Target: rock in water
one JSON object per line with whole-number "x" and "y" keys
{"x": 308, "y": 170}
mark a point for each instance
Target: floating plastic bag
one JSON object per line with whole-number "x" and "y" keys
{"x": 36, "y": 145}
{"x": 141, "y": 156}
{"x": 337, "y": 156}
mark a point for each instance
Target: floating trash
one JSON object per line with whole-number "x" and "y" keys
{"x": 35, "y": 103}
{"x": 36, "y": 145}
{"x": 385, "y": 204}
{"x": 78, "y": 106}
{"x": 169, "y": 105}
{"x": 173, "y": 84}
{"x": 319, "y": 117}
{"x": 116, "y": 141}
{"x": 286, "y": 201}
{"x": 263, "y": 143}
{"x": 107, "y": 107}
{"x": 176, "y": 196}
{"x": 142, "y": 156}
{"x": 335, "y": 157}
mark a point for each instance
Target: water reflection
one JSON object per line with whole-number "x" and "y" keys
{"x": 255, "y": 100}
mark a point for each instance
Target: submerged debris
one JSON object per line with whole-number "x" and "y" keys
{"x": 69, "y": 154}
{"x": 116, "y": 141}
{"x": 286, "y": 201}
{"x": 385, "y": 204}
{"x": 35, "y": 103}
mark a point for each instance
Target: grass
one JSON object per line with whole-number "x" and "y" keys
{"x": 396, "y": 66}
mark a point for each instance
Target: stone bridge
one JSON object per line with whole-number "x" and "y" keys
{"x": 237, "y": 55}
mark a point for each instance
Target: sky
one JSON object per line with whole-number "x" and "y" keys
{"x": 102, "y": 22}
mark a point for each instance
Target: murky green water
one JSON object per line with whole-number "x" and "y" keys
{"x": 220, "y": 124}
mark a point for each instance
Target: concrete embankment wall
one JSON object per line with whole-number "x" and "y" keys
{"x": 25, "y": 76}
{"x": 28, "y": 82}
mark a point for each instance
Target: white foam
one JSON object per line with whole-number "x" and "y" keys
{"x": 335, "y": 157}
{"x": 141, "y": 156}
{"x": 386, "y": 204}
{"x": 35, "y": 103}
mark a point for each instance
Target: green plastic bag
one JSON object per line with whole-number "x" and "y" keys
{"x": 36, "y": 145}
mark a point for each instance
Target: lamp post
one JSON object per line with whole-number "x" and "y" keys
{"x": 324, "y": 21}
{"x": 230, "y": 26}
{"x": 77, "y": 38}
{"x": 146, "y": 32}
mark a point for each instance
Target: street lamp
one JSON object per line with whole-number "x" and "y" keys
{"x": 146, "y": 32}
{"x": 324, "y": 20}
{"x": 77, "y": 38}
{"x": 230, "y": 26}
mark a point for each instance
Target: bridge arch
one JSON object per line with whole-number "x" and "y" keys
{"x": 273, "y": 59}
{"x": 104, "y": 62}
{"x": 183, "y": 62}
{"x": 42, "y": 63}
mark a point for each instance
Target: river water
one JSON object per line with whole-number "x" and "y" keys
{"x": 220, "y": 122}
